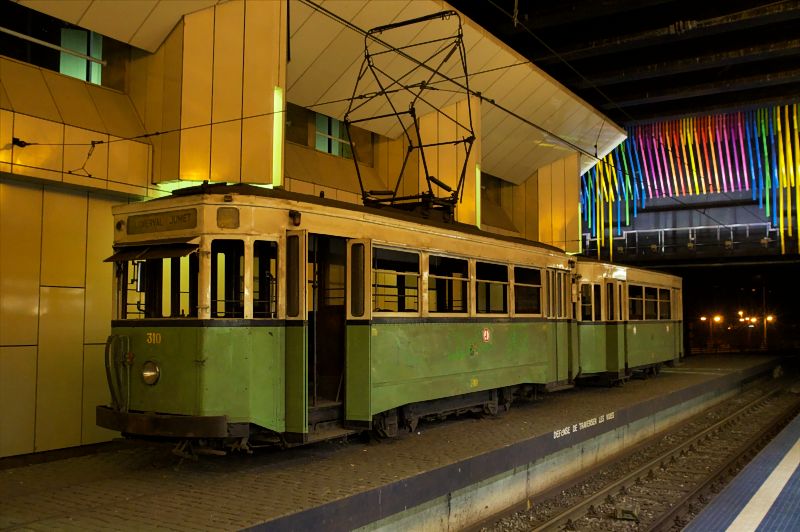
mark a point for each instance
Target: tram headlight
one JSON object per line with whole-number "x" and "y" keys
{"x": 150, "y": 372}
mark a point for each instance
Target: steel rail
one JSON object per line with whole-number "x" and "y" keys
{"x": 598, "y": 498}
{"x": 668, "y": 519}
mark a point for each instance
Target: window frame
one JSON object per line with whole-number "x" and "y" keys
{"x": 466, "y": 281}
{"x": 540, "y": 286}
{"x": 668, "y": 301}
{"x": 241, "y": 281}
{"x": 250, "y": 275}
{"x": 632, "y": 299}
{"x": 375, "y": 271}
{"x": 505, "y": 285}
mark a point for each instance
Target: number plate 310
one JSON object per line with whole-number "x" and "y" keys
{"x": 153, "y": 338}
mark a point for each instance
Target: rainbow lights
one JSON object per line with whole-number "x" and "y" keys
{"x": 756, "y": 151}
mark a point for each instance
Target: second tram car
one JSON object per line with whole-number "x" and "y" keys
{"x": 246, "y": 314}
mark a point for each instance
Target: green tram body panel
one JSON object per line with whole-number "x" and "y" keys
{"x": 393, "y": 364}
{"x": 210, "y": 371}
{"x": 650, "y": 342}
{"x": 603, "y": 346}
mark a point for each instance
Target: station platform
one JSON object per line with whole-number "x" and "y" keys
{"x": 446, "y": 475}
{"x": 764, "y": 496}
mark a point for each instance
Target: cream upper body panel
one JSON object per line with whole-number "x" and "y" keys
{"x": 186, "y": 217}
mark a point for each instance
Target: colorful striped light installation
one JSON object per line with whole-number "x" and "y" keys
{"x": 756, "y": 151}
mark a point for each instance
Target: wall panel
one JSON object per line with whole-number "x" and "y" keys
{"x": 44, "y": 161}
{"x": 26, "y": 90}
{"x": 60, "y": 369}
{"x": 228, "y": 58}
{"x": 99, "y": 274}
{"x": 118, "y": 113}
{"x": 20, "y": 248}
{"x": 128, "y": 162}
{"x": 257, "y": 150}
{"x": 6, "y": 134}
{"x": 17, "y": 399}
{"x": 545, "y": 193}
{"x": 198, "y": 62}
{"x": 226, "y": 152}
{"x": 558, "y": 205}
{"x": 571, "y": 204}
{"x": 63, "y": 238}
{"x": 196, "y": 153}
{"x": 77, "y": 159}
{"x": 95, "y": 392}
{"x": 74, "y": 104}
{"x": 5, "y": 103}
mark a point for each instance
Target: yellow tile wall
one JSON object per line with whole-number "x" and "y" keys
{"x": 557, "y": 195}
{"x": 60, "y": 368}
{"x": 17, "y": 399}
{"x": 20, "y": 259}
{"x": 64, "y": 238}
{"x": 55, "y": 312}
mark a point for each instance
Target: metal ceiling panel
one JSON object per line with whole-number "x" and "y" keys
{"x": 119, "y": 20}
{"x": 319, "y": 34}
{"x": 141, "y": 23}
{"x": 162, "y": 19}
{"x": 298, "y": 16}
{"x": 68, "y": 11}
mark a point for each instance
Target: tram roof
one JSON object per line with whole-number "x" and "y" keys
{"x": 387, "y": 211}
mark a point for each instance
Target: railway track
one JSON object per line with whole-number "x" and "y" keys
{"x": 662, "y": 483}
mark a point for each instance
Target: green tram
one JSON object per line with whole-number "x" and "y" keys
{"x": 630, "y": 320}
{"x": 246, "y": 315}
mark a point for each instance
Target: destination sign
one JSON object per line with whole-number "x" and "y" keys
{"x": 162, "y": 221}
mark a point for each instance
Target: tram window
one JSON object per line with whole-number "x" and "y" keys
{"x": 160, "y": 288}
{"x": 357, "y": 280}
{"x": 586, "y": 302}
{"x": 561, "y": 279}
{"x": 610, "y": 306}
{"x": 227, "y": 279}
{"x": 293, "y": 275}
{"x": 448, "y": 285}
{"x": 650, "y": 303}
{"x": 551, "y": 294}
{"x": 395, "y": 281}
{"x": 664, "y": 304}
{"x": 597, "y": 307}
{"x": 265, "y": 279}
{"x": 491, "y": 288}
{"x": 635, "y": 302}
{"x": 527, "y": 290}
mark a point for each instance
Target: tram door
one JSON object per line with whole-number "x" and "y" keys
{"x": 315, "y": 328}
{"x": 325, "y": 293}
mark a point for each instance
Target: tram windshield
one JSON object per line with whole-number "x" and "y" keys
{"x": 162, "y": 281}
{"x": 158, "y": 287}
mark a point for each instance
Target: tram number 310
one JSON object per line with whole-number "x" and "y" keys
{"x": 153, "y": 338}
